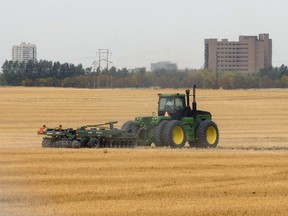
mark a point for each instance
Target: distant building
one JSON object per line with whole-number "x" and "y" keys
{"x": 24, "y": 52}
{"x": 137, "y": 70}
{"x": 249, "y": 54}
{"x": 165, "y": 65}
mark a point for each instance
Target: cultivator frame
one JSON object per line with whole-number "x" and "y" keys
{"x": 90, "y": 136}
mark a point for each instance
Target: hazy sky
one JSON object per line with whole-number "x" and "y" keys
{"x": 138, "y": 32}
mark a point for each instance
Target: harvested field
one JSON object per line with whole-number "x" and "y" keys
{"x": 246, "y": 175}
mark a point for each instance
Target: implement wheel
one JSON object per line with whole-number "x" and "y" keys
{"x": 75, "y": 144}
{"x": 47, "y": 143}
{"x": 94, "y": 143}
{"x": 174, "y": 134}
{"x": 208, "y": 134}
{"x": 84, "y": 142}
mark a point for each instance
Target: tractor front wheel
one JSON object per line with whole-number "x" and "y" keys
{"x": 174, "y": 134}
{"x": 208, "y": 134}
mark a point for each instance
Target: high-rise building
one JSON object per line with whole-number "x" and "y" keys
{"x": 165, "y": 65}
{"x": 249, "y": 54}
{"x": 24, "y": 52}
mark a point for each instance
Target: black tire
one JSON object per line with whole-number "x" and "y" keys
{"x": 94, "y": 143}
{"x": 131, "y": 144}
{"x": 84, "y": 142}
{"x": 207, "y": 134}
{"x": 66, "y": 144}
{"x": 47, "y": 143}
{"x": 174, "y": 134}
{"x": 127, "y": 126}
{"x": 130, "y": 127}
{"x": 158, "y": 133}
{"x": 134, "y": 129}
{"x": 75, "y": 144}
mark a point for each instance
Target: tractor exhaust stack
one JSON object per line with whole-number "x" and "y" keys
{"x": 194, "y": 104}
{"x": 187, "y": 98}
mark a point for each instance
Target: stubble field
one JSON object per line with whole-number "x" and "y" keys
{"x": 246, "y": 175}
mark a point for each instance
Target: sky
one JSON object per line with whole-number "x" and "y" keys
{"x": 138, "y": 32}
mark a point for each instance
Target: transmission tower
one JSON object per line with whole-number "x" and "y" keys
{"x": 103, "y": 56}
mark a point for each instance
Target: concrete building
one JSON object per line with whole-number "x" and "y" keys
{"x": 137, "y": 70}
{"x": 165, "y": 65}
{"x": 249, "y": 54}
{"x": 24, "y": 52}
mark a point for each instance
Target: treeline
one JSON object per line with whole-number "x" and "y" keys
{"x": 47, "y": 73}
{"x": 34, "y": 73}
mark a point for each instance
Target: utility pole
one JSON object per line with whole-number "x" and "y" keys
{"x": 94, "y": 70}
{"x": 99, "y": 69}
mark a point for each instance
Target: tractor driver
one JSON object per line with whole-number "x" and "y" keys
{"x": 170, "y": 104}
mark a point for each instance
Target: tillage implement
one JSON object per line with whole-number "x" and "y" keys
{"x": 90, "y": 136}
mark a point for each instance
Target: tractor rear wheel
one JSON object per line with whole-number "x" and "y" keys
{"x": 141, "y": 135}
{"x": 158, "y": 133}
{"x": 130, "y": 127}
{"x": 174, "y": 134}
{"x": 208, "y": 134}
{"x": 127, "y": 126}
{"x": 137, "y": 131}
{"x": 134, "y": 129}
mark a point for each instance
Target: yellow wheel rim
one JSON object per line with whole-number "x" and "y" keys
{"x": 211, "y": 135}
{"x": 178, "y": 135}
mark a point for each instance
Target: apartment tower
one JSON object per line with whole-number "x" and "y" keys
{"x": 24, "y": 52}
{"x": 250, "y": 54}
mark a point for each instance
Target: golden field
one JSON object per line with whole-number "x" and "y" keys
{"x": 246, "y": 175}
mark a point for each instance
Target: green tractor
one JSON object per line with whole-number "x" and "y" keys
{"x": 175, "y": 124}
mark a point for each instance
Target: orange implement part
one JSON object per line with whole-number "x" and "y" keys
{"x": 41, "y": 131}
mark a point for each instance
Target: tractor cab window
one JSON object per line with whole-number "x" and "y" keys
{"x": 180, "y": 103}
{"x": 166, "y": 103}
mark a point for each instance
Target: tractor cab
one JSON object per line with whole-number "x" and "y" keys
{"x": 177, "y": 106}
{"x": 173, "y": 105}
